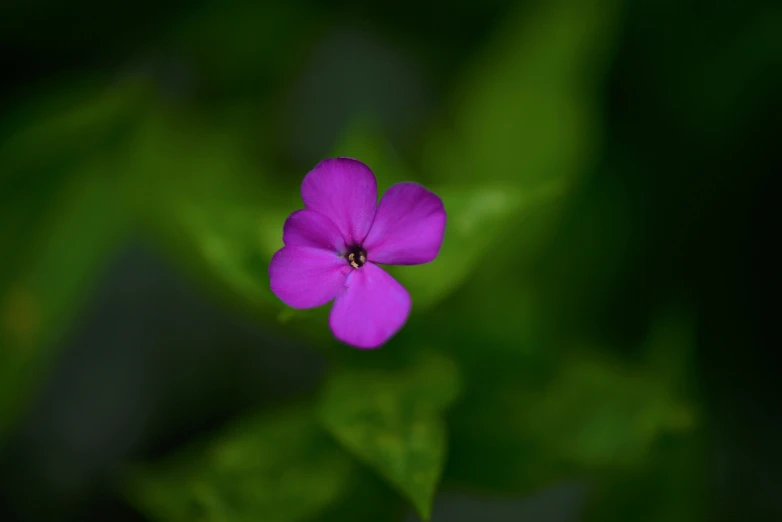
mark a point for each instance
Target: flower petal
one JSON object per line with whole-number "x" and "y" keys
{"x": 408, "y": 228}
{"x": 371, "y": 308}
{"x": 345, "y": 191}
{"x": 308, "y": 228}
{"x": 305, "y": 277}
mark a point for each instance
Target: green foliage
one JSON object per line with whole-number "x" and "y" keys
{"x": 79, "y": 217}
{"x": 62, "y": 264}
{"x": 670, "y": 486}
{"x": 476, "y": 217}
{"x": 503, "y": 308}
{"x": 278, "y": 467}
{"x": 525, "y": 112}
{"x": 598, "y": 414}
{"x": 366, "y": 497}
{"x": 593, "y": 416}
{"x": 200, "y": 190}
{"x": 363, "y": 139}
{"x": 525, "y": 129}
{"x": 393, "y": 421}
{"x": 583, "y": 413}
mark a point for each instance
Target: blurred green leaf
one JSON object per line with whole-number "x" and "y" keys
{"x": 590, "y": 415}
{"x": 40, "y": 301}
{"x": 477, "y": 216}
{"x": 62, "y": 215}
{"x": 491, "y": 449}
{"x": 392, "y": 420}
{"x": 366, "y": 497}
{"x": 67, "y": 121}
{"x": 364, "y": 140}
{"x": 277, "y": 468}
{"x": 210, "y": 202}
{"x": 524, "y": 130}
{"x": 527, "y": 111}
{"x": 46, "y": 143}
{"x": 601, "y": 414}
{"x": 672, "y": 486}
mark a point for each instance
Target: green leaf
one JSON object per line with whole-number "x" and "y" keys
{"x": 199, "y": 188}
{"x": 568, "y": 410}
{"x": 528, "y": 110}
{"x": 525, "y": 130}
{"x": 477, "y": 216}
{"x": 276, "y": 468}
{"x": 364, "y": 140}
{"x": 673, "y": 485}
{"x": 367, "y": 497}
{"x": 592, "y": 415}
{"x": 67, "y": 122}
{"x": 84, "y": 225}
{"x": 491, "y": 449}
{"x": 600, "y": 414}
{"x": 62, "y": 215}
{"x": 392, "y": 420}
{"x": 44, "y": 145}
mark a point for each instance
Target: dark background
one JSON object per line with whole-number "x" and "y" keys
{"x": 150, "y": 151}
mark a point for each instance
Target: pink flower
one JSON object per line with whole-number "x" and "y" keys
{"x": 333, "y": 248}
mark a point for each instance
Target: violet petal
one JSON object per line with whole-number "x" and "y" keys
{"x": 408, "y": 228}
{"x": 345, "y": 191}
{"x": 306, "y": 277}
{"x": 370, "y": 309}
{"x": 308, "y": 228}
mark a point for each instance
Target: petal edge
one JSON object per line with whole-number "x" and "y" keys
{"x": 409, "y": 226}
{"x": 305, "y": 277}
{"x": 344, "y": 190}
{"x": 308, "y": 228}
{"x": 371, "y": 308}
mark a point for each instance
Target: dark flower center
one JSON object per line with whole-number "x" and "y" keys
{"x": 357, "y": 256}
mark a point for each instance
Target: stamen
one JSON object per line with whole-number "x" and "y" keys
{"x": 357, "y": 256}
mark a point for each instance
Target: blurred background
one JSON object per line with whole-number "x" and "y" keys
{"x": 594, "y": 343}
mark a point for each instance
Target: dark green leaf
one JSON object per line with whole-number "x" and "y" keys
{"x": 525, "y": 128}
{"x": 275, "y": 468}
{"x": 83, "y": 226}
{"x": 199, "y": 187}
{"x": 476, "y": 216}
{"x": 392, "y": 420}
{"x": 673, "y": 485}
{"x": 528, "y": 111}
{"x": 62, "y": 215}
{"x": 364, "y": 140}
{"x": 591, "y": 415}
{"x": 600, "y": 414}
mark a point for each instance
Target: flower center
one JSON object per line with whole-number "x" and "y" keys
{"x": 357, "y": 256}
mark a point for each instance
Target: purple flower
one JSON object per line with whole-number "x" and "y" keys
{"x": 333, "y": 247}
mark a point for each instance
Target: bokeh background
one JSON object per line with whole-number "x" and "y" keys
{"x": 594, "y": 343}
